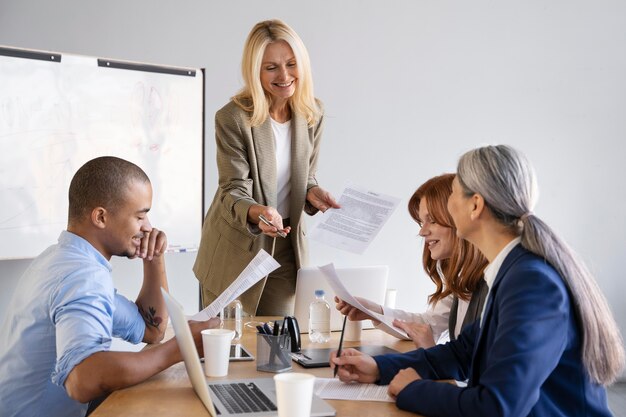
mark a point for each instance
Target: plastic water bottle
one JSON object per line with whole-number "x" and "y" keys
{"x": 231, "y": 318}
{"x": 319, "y": 319}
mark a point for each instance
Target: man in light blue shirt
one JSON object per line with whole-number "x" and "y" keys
{"x": 55, "y": 357}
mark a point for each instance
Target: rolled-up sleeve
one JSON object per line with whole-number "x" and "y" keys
{"x": 127, "y": 321}
{"x": 82, "y": 311}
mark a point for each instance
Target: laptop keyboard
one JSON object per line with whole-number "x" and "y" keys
{"x": 242, "y": 398}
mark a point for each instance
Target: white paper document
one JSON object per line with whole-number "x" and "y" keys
{"x": 355, "y": 225}
{"x": 260, "y": 266}
{"x": 334, "y": 389}
{"x": 341, "y": 292}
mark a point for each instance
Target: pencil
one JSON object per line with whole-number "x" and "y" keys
{"x": 343, "y": 329}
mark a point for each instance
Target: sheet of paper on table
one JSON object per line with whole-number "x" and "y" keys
{"x": 334, "y": 389}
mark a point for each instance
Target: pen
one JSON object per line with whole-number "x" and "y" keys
{"x": 267, "y": 222}
{"x": 276, "y": 328}
{"x": 267, "y": 329}
{"x": 260, "y": 329}
{"x": 343, "y": 329}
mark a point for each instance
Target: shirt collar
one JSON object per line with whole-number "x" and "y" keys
{"x": 70, "y": 239}
{"x": 491, "y": 271}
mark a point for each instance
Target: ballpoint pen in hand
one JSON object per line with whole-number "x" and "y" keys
{"x": 267, "y": 222}
{"x": 343, "y": 329}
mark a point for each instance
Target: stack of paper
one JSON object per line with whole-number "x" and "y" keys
{"x": 334, "y": 389}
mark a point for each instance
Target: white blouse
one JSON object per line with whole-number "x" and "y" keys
{"x": 282, "y": 142}
{"x": 436, "y": 317}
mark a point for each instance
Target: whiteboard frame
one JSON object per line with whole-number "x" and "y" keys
{"x": 173, "y": 112}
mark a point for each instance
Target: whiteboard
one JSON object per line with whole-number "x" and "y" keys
{"x": 57, "y": 111}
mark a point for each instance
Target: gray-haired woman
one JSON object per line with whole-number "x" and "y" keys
{"x": 547, "y": 342}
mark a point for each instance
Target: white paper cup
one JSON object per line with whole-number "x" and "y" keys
{"x": 216, "y": 345}
{"x": 353, "y": 331}
{"x": 390, "y": 298}
{"x": 294, "y": 394}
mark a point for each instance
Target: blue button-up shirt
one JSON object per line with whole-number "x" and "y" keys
{"x": 64, "y": 309}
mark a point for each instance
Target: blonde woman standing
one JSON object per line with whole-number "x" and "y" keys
{"x": 268, "y": 138}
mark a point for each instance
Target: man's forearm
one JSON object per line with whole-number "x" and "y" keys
{"x": 104, "y": 372}
{"x": 150, "y": 301}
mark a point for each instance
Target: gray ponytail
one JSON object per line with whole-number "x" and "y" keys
{"x": 506, "y": 180}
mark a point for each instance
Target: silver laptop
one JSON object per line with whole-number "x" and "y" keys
{"x": 362, "y": 281}
{"x": 244, "y": 397}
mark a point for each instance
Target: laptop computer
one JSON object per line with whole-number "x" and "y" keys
{"x": 362, "y": 281}
{"x": 244, "y": 397}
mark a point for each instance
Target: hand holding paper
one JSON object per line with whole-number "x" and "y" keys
{"x": 355, "y": 225}
{"x": 341, "y": 292}
{"x": 260, "y": 266}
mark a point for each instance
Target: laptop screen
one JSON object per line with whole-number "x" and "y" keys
{"x": 188, "y": 351}
{"x": 364, "y": 281}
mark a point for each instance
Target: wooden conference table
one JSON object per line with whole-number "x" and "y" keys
{"x": 169, "y": 393}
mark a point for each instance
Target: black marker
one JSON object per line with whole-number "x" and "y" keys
{"x": 343, "y": 329}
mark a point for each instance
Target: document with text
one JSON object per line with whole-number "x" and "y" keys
{"x": 334, "y": 389}
{"x": 355, "y": 225}
{"x": 259, "y": 267}
{"x": 340, "y": 291}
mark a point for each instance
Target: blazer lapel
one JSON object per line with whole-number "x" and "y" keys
{"x": 476, "y": 304}
{"x": 454, "y": 310}
{"x": 508, "y": 262}
{"x": 299, "y": 165}
{"x": 265, "y": 150}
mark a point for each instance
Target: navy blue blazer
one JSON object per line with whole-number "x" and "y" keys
{"x": 524, "y": 361}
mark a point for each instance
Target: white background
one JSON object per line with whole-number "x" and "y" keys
{"x": 408, "y": 87}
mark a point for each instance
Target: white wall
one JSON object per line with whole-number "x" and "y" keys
{"x": 408, "y": 86}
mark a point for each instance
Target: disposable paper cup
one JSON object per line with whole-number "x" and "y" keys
{"x": 390, "y": 298}
{"x": 353, "y": 331}
{"x": 216, "y": 344}
{"x": 294, "y": 394}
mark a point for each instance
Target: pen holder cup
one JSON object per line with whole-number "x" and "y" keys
{"x": 272, "y": 353}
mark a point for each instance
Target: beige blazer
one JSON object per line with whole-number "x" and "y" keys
{"x": 246, "y": 164}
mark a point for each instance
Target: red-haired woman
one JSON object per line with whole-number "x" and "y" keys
{"x": 453, "y": 264}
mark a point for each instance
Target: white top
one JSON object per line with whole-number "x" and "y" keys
{"x": 491, "y": 271}
{"x": 435, "y": 316}
{"x": 282, "y": 144}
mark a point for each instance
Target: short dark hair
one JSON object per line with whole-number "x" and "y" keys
{"x": 102, "y": 182}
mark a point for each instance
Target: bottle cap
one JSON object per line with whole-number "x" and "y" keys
{"x": 319, "y": 293}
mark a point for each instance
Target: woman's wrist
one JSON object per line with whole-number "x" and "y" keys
{"x": 253, "y": 213}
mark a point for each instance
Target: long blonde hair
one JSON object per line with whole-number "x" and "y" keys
{"x": 252, "y": 97}
{"x": 506, "y": 181}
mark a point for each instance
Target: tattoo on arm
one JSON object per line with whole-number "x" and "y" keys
{"x": 150, "y": 316}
